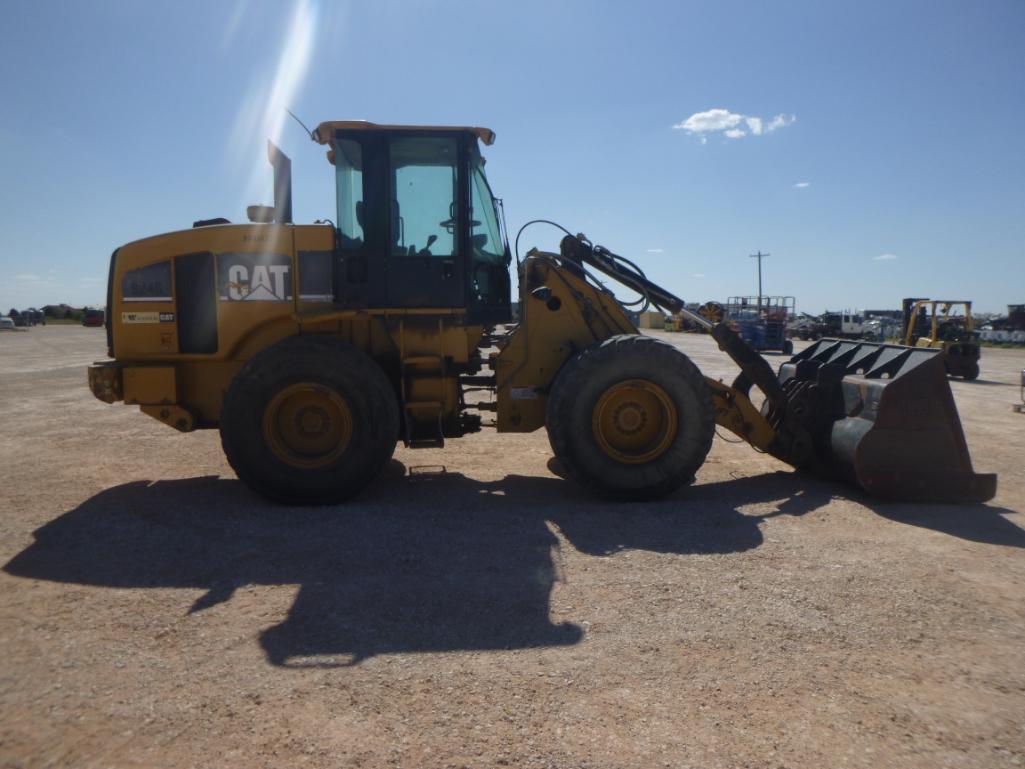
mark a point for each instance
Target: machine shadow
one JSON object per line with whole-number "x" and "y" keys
{"x": 797, "y": 493}
{"x": 987, "y": 382}
{"x": 420, "y": 562}
{"x": 983, "y": 523}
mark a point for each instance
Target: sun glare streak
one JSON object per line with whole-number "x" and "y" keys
{"x": 262, "y": 115}
{"x": 237, "y": 14}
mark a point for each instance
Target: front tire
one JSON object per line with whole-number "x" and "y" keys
{"x": 309, "y": 421}
{"x": 631, "y": 418}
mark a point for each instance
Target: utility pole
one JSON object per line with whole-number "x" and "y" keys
{"x": 759, "y": 256}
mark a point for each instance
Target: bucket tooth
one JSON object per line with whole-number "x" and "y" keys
{"x": 900, "y": 436}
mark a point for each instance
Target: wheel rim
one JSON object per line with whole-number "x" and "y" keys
{"x": 634, "y": 421}
{"x": 307, "y": 425}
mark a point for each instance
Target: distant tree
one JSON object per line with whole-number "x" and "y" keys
{"x": 13, "y": 313}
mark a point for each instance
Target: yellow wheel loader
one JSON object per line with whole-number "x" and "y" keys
{"x": 315, "y": 348}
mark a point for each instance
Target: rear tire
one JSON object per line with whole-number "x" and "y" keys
{"x": 788, "y": 347}
{"x": 631, "y": 418}
{"x": 309, "y": 421}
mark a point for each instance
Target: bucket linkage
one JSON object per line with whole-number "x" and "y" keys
{"x": 879, "y": 415}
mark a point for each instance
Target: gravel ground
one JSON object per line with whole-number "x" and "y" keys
{"x": 472, "y": 609}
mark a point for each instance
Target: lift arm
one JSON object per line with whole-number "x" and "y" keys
{"x": 754, "y": 368}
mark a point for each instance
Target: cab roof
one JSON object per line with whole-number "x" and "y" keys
{"x": 325, "y": 132}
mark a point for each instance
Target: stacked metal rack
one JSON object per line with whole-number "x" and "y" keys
{"x": 761, "y": 320}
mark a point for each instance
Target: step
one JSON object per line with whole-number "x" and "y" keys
{"x": 424, "y": 414}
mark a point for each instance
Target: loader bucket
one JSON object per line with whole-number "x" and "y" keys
{"x": 899, "y": 436}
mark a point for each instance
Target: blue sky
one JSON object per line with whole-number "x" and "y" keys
{"x": 895, "y": 166}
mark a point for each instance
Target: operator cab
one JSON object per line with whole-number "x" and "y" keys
{"x": 417, "y": 224}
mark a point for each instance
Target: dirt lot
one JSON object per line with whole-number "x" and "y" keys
{"x": 157, "y": 614}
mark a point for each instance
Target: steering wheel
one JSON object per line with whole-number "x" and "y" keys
{"x": 450, "y": 224}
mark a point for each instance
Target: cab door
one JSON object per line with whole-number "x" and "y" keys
{"x": 427, "y": 204}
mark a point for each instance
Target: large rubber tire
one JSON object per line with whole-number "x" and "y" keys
{"x": 595, "y": 449}
{"x": 788, "y": 347}
{"x": 972, "y": 372}
{"x": 309, "y": 421}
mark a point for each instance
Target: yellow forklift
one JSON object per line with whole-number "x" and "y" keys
{"x": 315, "y": 348}
{"x": 947, "y": 325}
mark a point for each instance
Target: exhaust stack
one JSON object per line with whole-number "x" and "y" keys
{"x": 282, "y": 183}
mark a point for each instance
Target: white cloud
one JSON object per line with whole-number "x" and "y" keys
{"x": 780, "y": 121}
{"x": 697, "y": 275}
{"x": 884, "y": 258}
{"x": 719, "y": 120}
{"x": 802, "y": 185}
{"x": 27, "y": 277}
{"x": 710, "y": 120}
{"x": 654, "y": 250}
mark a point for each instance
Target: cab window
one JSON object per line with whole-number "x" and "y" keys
{"x": 484, "y": 233}
{"x": 349, "y": 182}
{"x": 489, "y": 277}
{"x": 424, "y": 191}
